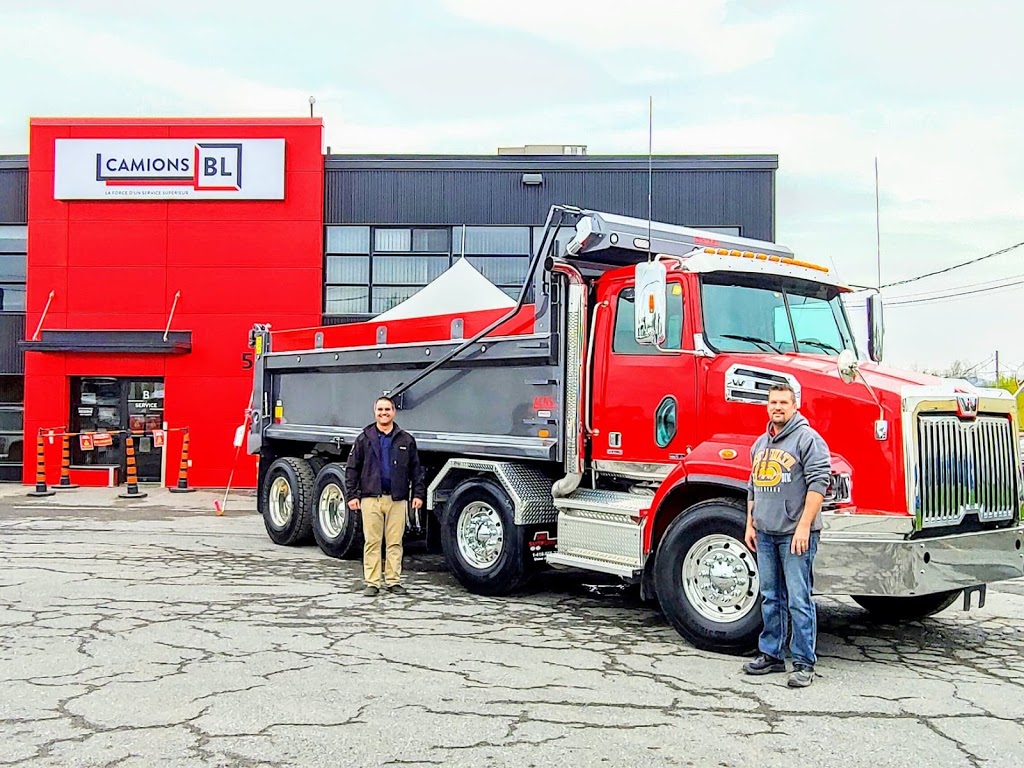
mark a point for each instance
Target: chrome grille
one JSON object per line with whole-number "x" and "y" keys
{"x": 966, "y": 468}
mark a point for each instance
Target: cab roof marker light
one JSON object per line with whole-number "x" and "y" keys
{"x": 774, "y": 258}
{"x": 762, "y": 256}
{"x": 735, "y": 253}
{"x": 722, "y": 252}
{"x": 748, "y": 254}
{"x": 808, "y": 265}
{"x": 709, "y": 250}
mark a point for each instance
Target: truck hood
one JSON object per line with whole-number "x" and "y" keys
{"x": 880, "y": 377}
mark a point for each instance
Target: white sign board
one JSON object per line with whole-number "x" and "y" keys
{"x": 178, "y": 169}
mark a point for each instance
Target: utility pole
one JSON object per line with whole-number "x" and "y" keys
{"x": 997, "y": 367}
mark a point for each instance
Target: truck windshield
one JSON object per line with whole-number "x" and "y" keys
{"x": 748, "y": 313}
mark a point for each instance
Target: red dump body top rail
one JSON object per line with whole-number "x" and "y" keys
{"x": 435, "y": 328}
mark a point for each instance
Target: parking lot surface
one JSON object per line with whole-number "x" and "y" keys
{"x": 137, "y": 634}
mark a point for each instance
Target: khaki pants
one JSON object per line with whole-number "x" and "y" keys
{"x": 383, "y": 519}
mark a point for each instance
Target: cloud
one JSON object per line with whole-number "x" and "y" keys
{"x": 700, "y": 29}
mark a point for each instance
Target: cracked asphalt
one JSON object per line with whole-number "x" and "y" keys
{"x": 134, "y": 634}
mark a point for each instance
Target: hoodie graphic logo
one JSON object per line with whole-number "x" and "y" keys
{"x": 772, "y": 467}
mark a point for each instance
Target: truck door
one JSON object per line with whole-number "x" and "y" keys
{"x": 643, "y": 408}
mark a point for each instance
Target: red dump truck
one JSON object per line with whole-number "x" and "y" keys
{"x": 605, "y": 422}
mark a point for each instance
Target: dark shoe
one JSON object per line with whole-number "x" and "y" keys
{"x": 371, "y": 591}
{"x": 398, "y": 589}
{"x": 764, "y": 665}
{"x": 802, "y": 677}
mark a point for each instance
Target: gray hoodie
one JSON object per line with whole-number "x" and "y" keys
{"x": 784, "y": 468}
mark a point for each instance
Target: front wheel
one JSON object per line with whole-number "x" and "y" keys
{"x": 337, "y": 529}
{"x": 707, "y": 580}
{"x": 482, "y": 545}
{"x": 893, "y": 610}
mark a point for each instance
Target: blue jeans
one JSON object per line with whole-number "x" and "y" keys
{"x": 786, "y": 584}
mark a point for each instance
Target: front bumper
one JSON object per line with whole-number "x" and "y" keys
{"x": 852, "y": 564}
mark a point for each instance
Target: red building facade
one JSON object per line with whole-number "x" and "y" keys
{"x": 105, "y": 274}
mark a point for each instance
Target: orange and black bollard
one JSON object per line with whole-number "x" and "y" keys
{"x": 131, "y": 490}
{"x": 182, "y": 486}
{"x": 65, "y": 466}
{"x": 41, "y": 489}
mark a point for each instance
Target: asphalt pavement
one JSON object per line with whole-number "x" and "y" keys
{"x": 158, "y": 633}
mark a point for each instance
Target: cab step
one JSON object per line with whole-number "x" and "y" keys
{"x": 601, "y": 531}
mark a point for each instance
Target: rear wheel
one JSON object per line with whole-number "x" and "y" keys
{"x": 894, "y": 610}
{"x": 707, "y": 580}
{"x": 337, "y": 529}
{"x": 482, "y": 545}
{"x": 285, "y": 501}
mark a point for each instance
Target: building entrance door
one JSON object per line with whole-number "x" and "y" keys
{"x": 118, "y": 406}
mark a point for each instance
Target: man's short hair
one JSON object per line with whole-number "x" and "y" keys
{"x": 388, "y": 399}
{"x": 782, "y": 386}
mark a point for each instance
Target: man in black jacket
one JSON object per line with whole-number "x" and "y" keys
{"x": 383, "y": 464}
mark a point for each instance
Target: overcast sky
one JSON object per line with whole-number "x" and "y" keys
{"x": 930, "y": 87}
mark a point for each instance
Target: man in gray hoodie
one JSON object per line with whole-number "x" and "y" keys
{"x": 791, "y": 468}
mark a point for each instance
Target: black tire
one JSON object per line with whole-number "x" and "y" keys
{"x": 726, "y": 519}
{"x": 894, "y": 610}
{"x": 337, "y": 529}
{"x": 293, "y": 528}
{"x": 316, "y": 463}
{"x": 510, "y": 568}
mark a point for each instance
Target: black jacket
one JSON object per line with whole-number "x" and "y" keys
{"x": 362, "y": 471}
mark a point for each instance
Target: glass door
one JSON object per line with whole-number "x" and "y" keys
{"x": 145, "y": 415}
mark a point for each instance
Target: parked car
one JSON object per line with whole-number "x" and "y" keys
{"x": 12, "y": 423}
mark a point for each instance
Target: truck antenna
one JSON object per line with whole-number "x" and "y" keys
{"x": 650, "y": 170}
{"x": 878, "y": 232}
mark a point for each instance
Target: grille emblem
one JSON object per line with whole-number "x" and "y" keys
{"x": 967, "y": 406}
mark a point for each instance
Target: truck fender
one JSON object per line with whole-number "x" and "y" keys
{"x": 719, "y": 466}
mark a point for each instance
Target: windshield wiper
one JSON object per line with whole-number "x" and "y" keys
{"x": 752, "y": 340}
{"x": 818, "y": 344}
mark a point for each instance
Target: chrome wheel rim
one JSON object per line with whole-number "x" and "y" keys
{"x": 480, "y": 535}
{"x": 720, "y": 578}
{"x": 280, "y": 502}
{"x": 332, "y": 511}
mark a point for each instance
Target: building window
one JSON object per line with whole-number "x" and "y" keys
{"x": 501, "y": 254}
{"x": 12, "y": 420}
{"x": 368, "y": 270}
{"x": 13, "y": 251}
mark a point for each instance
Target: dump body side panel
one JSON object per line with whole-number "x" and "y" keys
{"x": 497, "y": 398}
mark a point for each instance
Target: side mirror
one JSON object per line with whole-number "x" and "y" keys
{"x": 876, "y": 327}
{"x": 649, "y": 317}
{"x": 847, "y": 365}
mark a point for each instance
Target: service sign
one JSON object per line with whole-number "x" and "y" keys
{"x": 179, "y": 169}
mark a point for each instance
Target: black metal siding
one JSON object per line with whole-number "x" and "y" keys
{"x": 12, "y": 330}
{"x": 13, "y": 195}
{"x": 422, "y": 192}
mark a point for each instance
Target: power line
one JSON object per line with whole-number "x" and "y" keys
{"x": 958, "y": 289}
{"x": 955, "y": 266}
{"x": 953, "y": 296}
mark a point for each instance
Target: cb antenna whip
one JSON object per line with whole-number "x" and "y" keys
{"x": 650, "y": 170}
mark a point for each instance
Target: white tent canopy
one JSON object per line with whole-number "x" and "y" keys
{"x": 459, "y": 289}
